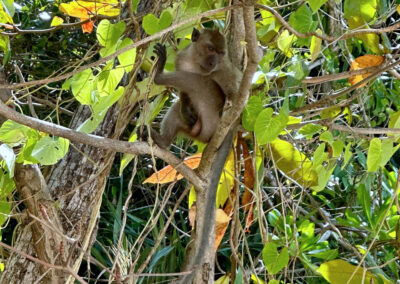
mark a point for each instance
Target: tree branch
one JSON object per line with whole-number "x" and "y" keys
{"x": 326, "y": 37}
{"x": 135, "y": 148}
{"x": 115, "y": 54}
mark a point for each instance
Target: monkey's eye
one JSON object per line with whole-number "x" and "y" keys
{"x": 210, "y": 48}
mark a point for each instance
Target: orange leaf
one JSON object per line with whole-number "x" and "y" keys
{"x": 361, "y": 62}
{"x": 85, "y": 9}
{"x": 221, "y": 224}
{"x": 248, "y": 176}
{"x": 87, "y": 27}
{"x": 169, "y": 174}
{"x": 249, "y": 218}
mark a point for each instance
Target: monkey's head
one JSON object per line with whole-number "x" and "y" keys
{"x": 210, "y": 47}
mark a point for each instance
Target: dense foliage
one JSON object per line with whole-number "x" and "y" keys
{"x": 315, "y": 166}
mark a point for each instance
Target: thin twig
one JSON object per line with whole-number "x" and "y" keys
{"x": 49, "y": 265}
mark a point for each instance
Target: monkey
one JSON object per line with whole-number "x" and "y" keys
{"x": 198, "y": 111}
{"x": 205, "y": 77}
{"x": 207, "y": 56}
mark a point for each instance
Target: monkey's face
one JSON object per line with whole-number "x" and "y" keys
{"x": 211, "y": 49}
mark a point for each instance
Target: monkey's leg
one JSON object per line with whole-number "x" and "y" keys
{"x": 172, "y": 124}
{"x": 189, "y": 114}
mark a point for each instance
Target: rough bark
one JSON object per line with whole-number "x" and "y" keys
{"x": 60, "y": 225}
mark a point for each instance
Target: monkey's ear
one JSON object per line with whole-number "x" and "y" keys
{"x": 195, "y": 34}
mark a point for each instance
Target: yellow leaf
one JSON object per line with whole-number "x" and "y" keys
{"x": 292, "y": 162}
{"x": 398, "y": 9}
{"x": 339, "y": 271}
{"x": 226, "y": 181}
{"x": 169, "y": 174}
{"x": 222, "y": 280}
{"x": 85, "y": 9}
{"x": 56, "y": 21}
{"x": 256, "y": 280}
{"x": 361, "y": 62}
{"x": 315, "y": 47}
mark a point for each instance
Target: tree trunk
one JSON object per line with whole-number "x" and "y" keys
{"x": 60, "y": 225}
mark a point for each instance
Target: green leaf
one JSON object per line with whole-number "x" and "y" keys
{"x": 339, "y": 271}
{"x": 292, "y": 162}
{"x": 4, "y": 43}
{"x": 151, "y": 24}
{"x": 309, "y": 130}
{"x": 358, "y": 13}
{"x": 302, "y": 20}
{"x": 364, "y": 198}
{"x": 135, "y": 4}
{"x": 7, "y": 184}
{"x": 284, "y": 43}
{"x": 374, "y": 155}
{"x": 252, "y": 110}
{"x": 13, "y": 133}
{"x": 8, "y": 156}
{"x": 327, "y": 137}
{"x": 337, "y": 147}
{"x": 49, "y": 150}
{"x": 108, "y": 80}
{"x": 316, "y": 4}
{"x": 326, "y": 254}
{"x": 267, "y": 128}
{"x": 99, "y": 110}
{"x": 273, "y": 260}
{"x": 387, "y": 151}
{"x": 347, "y": 155}
{"x": 25, "y": 155}
{"x": 82, "y": 86}
{"x": 108, "y": 35}
{"x": 320, "y": 156}
{"x": 324, "y": 174}
{"x": 126, "y": 59}
{"x": 5, "y": 209}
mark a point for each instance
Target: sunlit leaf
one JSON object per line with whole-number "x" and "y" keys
{"x": 56, "y": 21}
{"x": 86, "y": 9}
{"x": 339, "y": 271}
{"x": 315, "y": 46}
{"x": 374, "y": 154}
{"x": 49, "y": 150}
{"x": 293, "y": 163}
{"x": 364, "y": 62}
{"x": 152, "y": 25}
{"x": 316, "y": 4}
{"x": 169, "y": 174}
{"x": 273, "y": 260}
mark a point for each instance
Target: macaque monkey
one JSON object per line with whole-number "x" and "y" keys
{"x": 205, "y": 77}
{"x": 207, "y": 55}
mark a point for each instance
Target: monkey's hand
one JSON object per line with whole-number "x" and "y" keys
{"x": 227, "y": 105}
{"x": 161, "y": 51}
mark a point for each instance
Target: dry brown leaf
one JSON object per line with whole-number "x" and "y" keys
{"x": 249, "y": 178}
{"x": 361, "y": 62}
{"x": 221, "y": 224}
{"x": 169, "y": 174}
{"x": 192, "y": 215}
{"x": 249, "y": 218}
